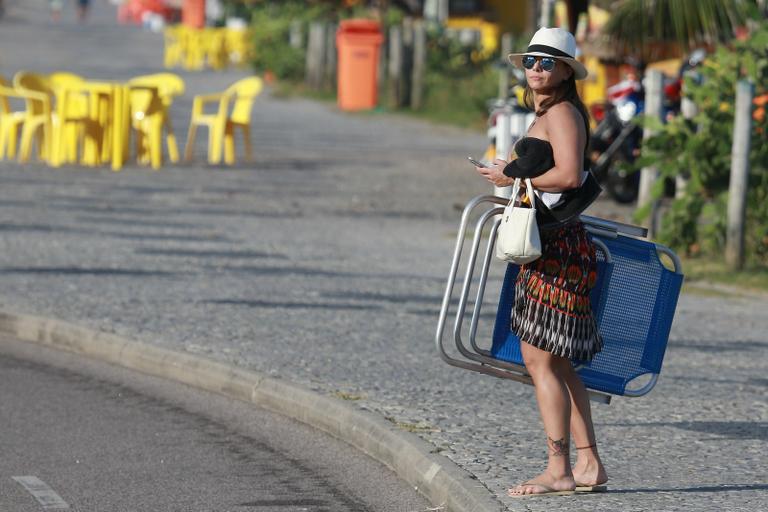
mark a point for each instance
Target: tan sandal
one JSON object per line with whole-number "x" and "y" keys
{"x": 591, "y": 488}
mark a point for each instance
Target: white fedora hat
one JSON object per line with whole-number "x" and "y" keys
{"x": 553, "y": 42}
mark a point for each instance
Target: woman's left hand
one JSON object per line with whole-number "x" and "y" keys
{"x": 495, "y": 173}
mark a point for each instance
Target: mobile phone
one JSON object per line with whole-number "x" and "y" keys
{"x": 475, "y": 162}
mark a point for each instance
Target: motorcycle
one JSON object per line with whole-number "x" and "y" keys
{"x": 615, "y": 142}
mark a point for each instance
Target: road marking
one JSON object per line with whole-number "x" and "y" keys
{"x": 44, "y": 495}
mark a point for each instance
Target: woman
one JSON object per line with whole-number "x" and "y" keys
{"x": 552, "y": 314}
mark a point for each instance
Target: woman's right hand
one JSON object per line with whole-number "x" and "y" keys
{"x": 494, "y": 173}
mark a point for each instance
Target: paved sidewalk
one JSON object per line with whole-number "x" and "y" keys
{"x": 323, "y": 263}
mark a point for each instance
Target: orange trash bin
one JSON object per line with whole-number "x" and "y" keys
{"x": 193, "y": 13}
{"x": 358, "y": 42}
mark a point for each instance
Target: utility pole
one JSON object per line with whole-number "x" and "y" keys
{"x": 545, "y": 16}
{"x": 419, "y": 64}
{"x": 737, "y": 190}
{"x": 436, "y": 11}
{"x": 649, "y": 175}
{"x": 503, "y": 145}
{"x": 506, "y": 49}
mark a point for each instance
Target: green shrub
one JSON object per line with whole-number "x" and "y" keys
{"x": 460, "y": 98}
{"x": 700, "y": 149}
{"x": 270, "y": 24}
{"x": 458, "y": 82}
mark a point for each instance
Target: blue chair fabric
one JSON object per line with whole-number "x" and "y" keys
{"x": 634, "y": 301}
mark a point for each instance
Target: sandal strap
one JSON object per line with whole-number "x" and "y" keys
{"x": 587, "y": 447}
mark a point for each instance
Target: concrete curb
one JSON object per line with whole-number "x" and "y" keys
{"x": 440, "y": 480}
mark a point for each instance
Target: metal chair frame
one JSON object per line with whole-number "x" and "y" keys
{"x": 481, "y": 360}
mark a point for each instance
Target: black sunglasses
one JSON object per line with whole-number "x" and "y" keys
{"x": 546, "y": 63}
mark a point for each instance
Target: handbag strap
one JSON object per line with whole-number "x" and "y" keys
{"x": 528, "y": 190}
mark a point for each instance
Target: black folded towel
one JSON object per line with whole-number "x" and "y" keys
{"x": 534, "y": 158}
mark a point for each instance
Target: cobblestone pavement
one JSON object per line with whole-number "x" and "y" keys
{"x": 324, "y": 263}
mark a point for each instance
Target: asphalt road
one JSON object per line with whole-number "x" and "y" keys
{"x": 93, "y": 437}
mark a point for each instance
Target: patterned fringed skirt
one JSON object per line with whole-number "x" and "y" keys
{"x": 552, "y": 309}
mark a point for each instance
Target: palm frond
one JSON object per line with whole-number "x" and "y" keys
{"x": 688, "y": 23}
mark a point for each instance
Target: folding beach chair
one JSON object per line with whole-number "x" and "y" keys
{"x": 634, "y": 302}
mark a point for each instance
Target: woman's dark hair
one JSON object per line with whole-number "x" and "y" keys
{"x": 565, "y": 92}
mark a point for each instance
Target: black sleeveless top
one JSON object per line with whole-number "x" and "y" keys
{"x": 534, "y": 158}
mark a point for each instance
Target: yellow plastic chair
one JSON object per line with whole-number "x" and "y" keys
{"x": 146, "y": 91}
{"x": 59, "y": 78}
{"x": 38, "y": 118}
{"x": 215, "y": 47}
{"x": 239, "y": 45}
{"x": 234, "y": 111}
{"x": 71, "y": 121}
{"x": 57, "y": 117}
{"x": 173, "y": 37}
{"x": 194, "y": 48}
{"x": 147, "y": 123}
{"x": 10, "y": 121}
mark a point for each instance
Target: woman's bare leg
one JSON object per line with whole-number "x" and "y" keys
{"x": 588, "y": 469}
{"x": 554, "y": 402}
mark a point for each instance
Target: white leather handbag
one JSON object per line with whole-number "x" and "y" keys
{"x": 518, "y": 239}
